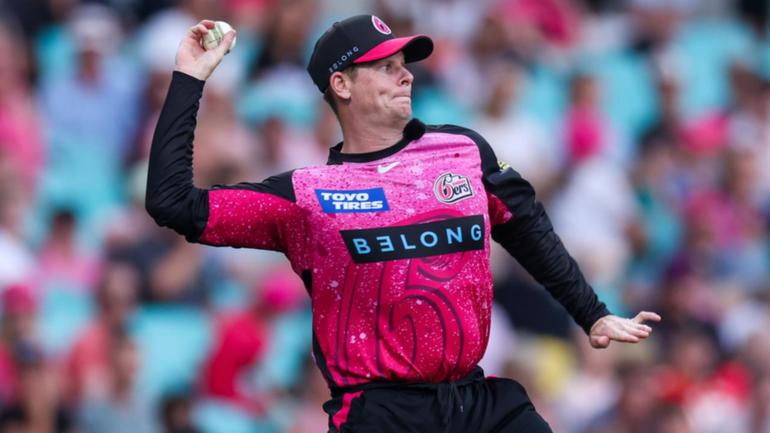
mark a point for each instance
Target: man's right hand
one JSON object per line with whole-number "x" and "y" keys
{"x": 193, "y": 59}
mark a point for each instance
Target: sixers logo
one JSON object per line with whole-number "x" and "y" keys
{"x": 380, "y": 25}
{"x": 451, "y": 188}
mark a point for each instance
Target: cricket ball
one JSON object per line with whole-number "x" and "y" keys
{"x": 215, "y": 35}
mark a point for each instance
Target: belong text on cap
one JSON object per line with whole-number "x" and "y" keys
{"x": 360, "y": 39}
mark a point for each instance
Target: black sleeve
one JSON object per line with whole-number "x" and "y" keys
{"x": 260, "y": 215}
{"x": 529, "y": 237}
{"x": 173, "y": 201}
{"x": 171, "y": 198}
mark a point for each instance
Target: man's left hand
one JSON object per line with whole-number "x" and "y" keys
{"x": 611, "y": 327}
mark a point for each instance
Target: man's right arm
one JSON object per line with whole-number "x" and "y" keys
{"x": 171, "y": 198}
{"x": 256, "y": 215}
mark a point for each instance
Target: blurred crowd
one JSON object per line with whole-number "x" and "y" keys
{"x": 643, "y": 124}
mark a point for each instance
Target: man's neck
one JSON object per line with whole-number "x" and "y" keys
{"x": 363, "y": 137}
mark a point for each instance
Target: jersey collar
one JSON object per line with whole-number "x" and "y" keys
{"x": 412, "y": 131}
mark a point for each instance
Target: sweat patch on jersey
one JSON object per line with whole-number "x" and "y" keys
{"x": 352, "y": 200}
{"x": 415, "y": 240}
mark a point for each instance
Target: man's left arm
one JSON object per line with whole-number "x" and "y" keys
{"x": 520, "y": 224}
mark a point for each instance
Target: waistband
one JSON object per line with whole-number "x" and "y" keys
{"x": 476, "y": 375}
{"x": 447, "y": 393}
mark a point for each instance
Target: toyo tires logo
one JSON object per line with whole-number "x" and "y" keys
{"x": 451, "y": 188}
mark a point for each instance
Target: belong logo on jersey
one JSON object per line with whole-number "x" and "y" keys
{"x": 352, "y": 200}
{"x": 451, "y": 188}
{"x": 448, "y": 236}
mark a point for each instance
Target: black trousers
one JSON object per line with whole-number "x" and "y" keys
{"x": 474, "y": 404}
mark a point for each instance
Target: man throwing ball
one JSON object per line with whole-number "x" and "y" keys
{"x": 391, "y": 238}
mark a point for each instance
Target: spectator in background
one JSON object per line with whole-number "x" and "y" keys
{"x": 742, "y": 238}
{"x": 17, "y": 336}
{"x": 725, "y": 230}
{"x": 540, "y": 24}
{"x": 176, "y": 414}
{"x": 592, "y": 388}
{"x": 758, "y": 416}
{"x": 654, "y": 178}
{"x": 227, "y": 151}
{"x": 91, "y": 115}
{"x": 671, "y": 419}
{"x": 703, "y": 141}
{"x": 278, "y": 85}
{"x": 242, "y": 342}
{"x": 88, "y": 364}
{"x": 37, "y": 407}
{"x": 282, "y": 146}
{"x": 586, "y": 129}
{"x": 466, "y": 72}
{"x": 249, "y": 15}
{"x": 103, "y": 84}
{"x": 313, "y": 395}
{"x": 687, "y": 299}
{"x": 17, "y": 264}
{"x": 62, "y": 261}
{"x": 519, "y": 140}
{"x": 659, "y": 190}
{"x": 749, "y": 129}
{"x": 656, "y": 22}
{"x": 453, "y": 23}
{"x": 129, "y": 224}
{"x": 239, "y": 344}
{"x": 152, "y": 99}
{"x": 285, "y": 37}
{"x": 170, "y": 270}
{"x": 712, "y": 392}
{"x": 20, "y": 136}
{"x": 635, "y": 405}
{"x": 182, "y": 273}
{"x": 120, "y": 409}
{"x": 595, "y": 209}
{"x": 754, "y": 347}
{"x": 155, "y": 38}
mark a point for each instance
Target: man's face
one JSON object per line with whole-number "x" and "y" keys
{"x": 383, "y": 89}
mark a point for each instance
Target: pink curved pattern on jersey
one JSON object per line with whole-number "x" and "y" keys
{"x": 427, "y": 311}
{"x": 407, "y": 325}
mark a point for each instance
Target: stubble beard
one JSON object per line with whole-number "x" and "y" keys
{"x": 403, "y": 111}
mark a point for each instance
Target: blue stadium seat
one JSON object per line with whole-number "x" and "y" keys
{"x": 707, "y": 48}
{"x": 173, "y": 341}
{"x": 216, "y": 416}
{"x": 63, "y": 314}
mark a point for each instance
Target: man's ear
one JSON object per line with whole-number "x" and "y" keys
{"x": 340, "y": 85}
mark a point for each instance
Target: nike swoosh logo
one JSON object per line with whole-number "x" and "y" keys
{"x": 382, "y": 169}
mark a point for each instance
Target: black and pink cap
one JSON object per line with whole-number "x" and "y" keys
{"x": 360, "y": 39}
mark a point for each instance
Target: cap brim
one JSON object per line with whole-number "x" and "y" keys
{"x": 415, "y": 48}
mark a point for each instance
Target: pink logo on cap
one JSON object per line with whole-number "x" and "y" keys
{"x": 380, "y": 25}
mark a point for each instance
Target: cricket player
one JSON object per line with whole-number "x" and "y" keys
{"x": 391, "y": 238}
